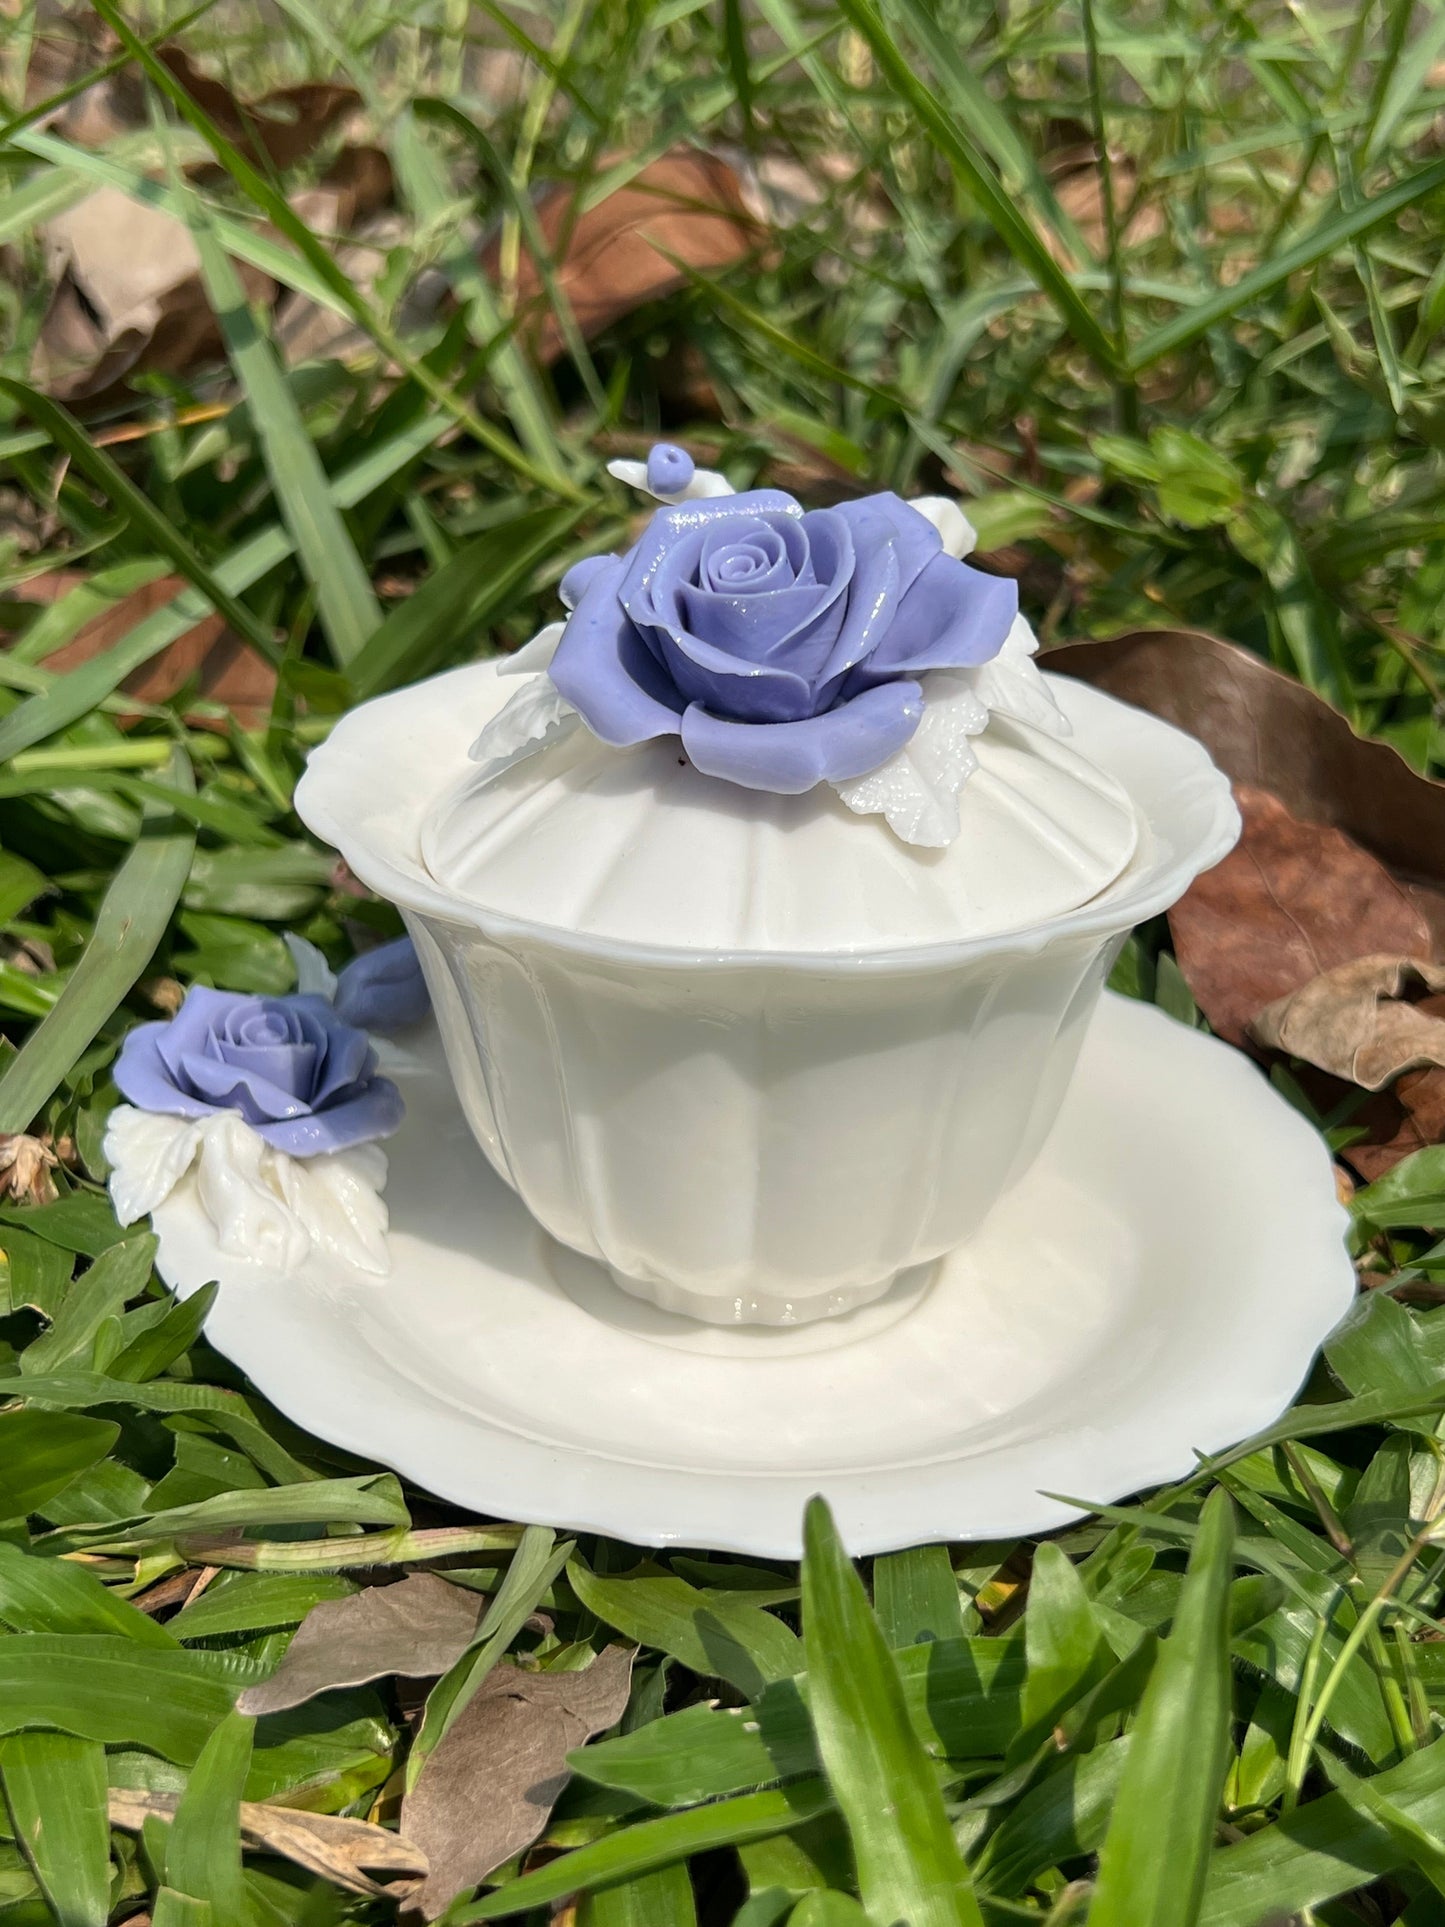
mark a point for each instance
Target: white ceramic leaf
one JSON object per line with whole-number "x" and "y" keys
{"x": 535, "y": 717}
{"x": 916, "y": 791}
{"x": 705, "y": 482}
{"x": 960, "y": 537}
{"x": 262, "y": 1205}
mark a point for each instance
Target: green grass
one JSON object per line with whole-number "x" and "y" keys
{"x": 1199, "y": 384}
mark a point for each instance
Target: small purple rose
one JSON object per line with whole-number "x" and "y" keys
{"x": 383, "y": 989}
{"x": 302, "y": 1077}
{"x": 782, "y": 645}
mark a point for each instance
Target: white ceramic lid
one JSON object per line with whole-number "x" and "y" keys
{"x": 637, "y": 846}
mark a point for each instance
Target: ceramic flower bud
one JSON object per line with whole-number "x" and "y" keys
{"x": 278, "y": 1104}
{"x": 383, "y": 989}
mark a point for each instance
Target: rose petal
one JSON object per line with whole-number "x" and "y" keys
{"x": 143, "y": 1075}
{"x": 688, "y": 522}
{"x": 794, "y": 756}
{"x": 196, "y": 1023}
{"x": 760, "y": 628}
{"x": 575, "y": 583}
{"x": 376, "y": 1111}
{"x": 773, "y": 678}
{"x": 874, "y": 519}
{"x": 228, "y": 1088}
{"x": 956, "y": 532}
{"x": 606, "y": 671}
{"x": 873, "y": 592}
{"x": 290, "y": 1067}
{"x": 953, "y": 617}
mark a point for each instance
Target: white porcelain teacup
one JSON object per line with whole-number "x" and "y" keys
{"x": 768, "y": 1136}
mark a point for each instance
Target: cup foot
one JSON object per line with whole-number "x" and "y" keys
{"x": 620, "y": 1304}
{"x": 755, "y": 1309}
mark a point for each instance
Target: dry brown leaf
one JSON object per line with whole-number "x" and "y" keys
{"x": 417, "y": 1627}
{"x": 127, "y": 298}
{"x": 488, "y": 1789}
{"x": 352, "y": 198}
{"x": 1365, "y": 1021}
{"x": 1266, "y": 729}
{"x": 1079, "y": 191}
{"x": 223, "y": 668}
{"x": 25, "y": 1166}
{"x": 1342, "y": 858}
{"x": 281, "y": 127}
{"x": 1290, "y": 901}
{"x": 1415, "y": 1118}
{"x": 686, "y": 206}
{"x": 337, "y": 1849}
{"x": 64, "y": 50}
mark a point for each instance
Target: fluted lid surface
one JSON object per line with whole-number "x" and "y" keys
{"x": 637, "y": 846}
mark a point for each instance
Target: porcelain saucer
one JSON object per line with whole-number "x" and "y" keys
{"x": 1155, "y": 1287}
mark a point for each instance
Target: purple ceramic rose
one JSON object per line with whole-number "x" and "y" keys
{"x": 783, "y": 646}
{"x": 302, "y": 1077}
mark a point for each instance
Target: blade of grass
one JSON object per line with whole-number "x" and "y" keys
{"x": 1336, "y": 230}
{"x": 246, "y": 243}
{"x": 1011, "y": 226}
{"x": 78, "y": 692}
{"x": 274, "y": 206}
{"x": 55, "y": 1788}
{"x": 1155, "y": 1856}
{"x": 431, "y": 197}
{"x": 122, "y": 493}
{"x": 988, "y": 125}
{"x": 653, "y": 1843}
{"x": 39, "y": 200}
{"x": 131, "y": 921}
{"x": 203, "y": 1842}
{"x": 909, "y": 1865}
{"x": 915, "y": 1596}
{"x": 458, "y": 599}
{"x": 535, "y": 1564}
{"x": 346, "y": 603}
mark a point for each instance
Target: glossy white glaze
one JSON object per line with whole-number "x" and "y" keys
{"x": 751, "y": 1131}
{"x": 1155, "y": 1286}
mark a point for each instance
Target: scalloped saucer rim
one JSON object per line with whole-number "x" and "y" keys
{"x": 1155, "y": 1287}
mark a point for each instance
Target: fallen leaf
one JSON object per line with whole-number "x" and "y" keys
{"x": 1365, "y": 1021}
{"x": 127, "y": 298}
{"x": 282, "y": 127}
{"x": 224, "y": 668}
{"x": 417, "y": 1627}
{"x": 1416, "y": 1118}
{"x": 336, "y": 1848}
{"x": 685, "y": 207}
{"x": 1079, "y": 190}
{"x": 1342, "y": 857}
{"x": 1290, "y": 901}
{"x": 353, "y": 198}
{"x": 1266, "y": 729}
{"x": 25, "y": 1166}
{"x": 64, "y": 50}
{"x": 489, "y": 1787}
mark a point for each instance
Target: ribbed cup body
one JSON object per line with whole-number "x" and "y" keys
{"x": 752, "y": 1143}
